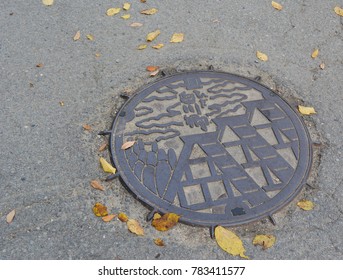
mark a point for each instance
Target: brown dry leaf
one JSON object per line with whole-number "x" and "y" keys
{"x": 306, "y": 205}
{"x": 177, "y": 38}
{"x": 315, "y": 53}
{"x": 136, "y": 24}
{"x": 108, "y": 218}
{"x": 158, "y": 46}
{"x": 151, "y": 11}
{"x": 113, "y": 11}
{"x": 126, "y": 6}
{"x": 142, "y": 47}
{"x": 154, "y": 73}
{"x": 229, "y": 242}
{"x": 77, "y": 35}
{"x": 134, "y": 227}
{"x": 61, "y": 103}
{"x": 338, "y": 11}
{"x": 103, "y": 147}
{"x": 306, "y": 110}
{"x": 261, "y": 56}
{"x": 153, "y": 35}
{"x": 152, "y": 68}
{"x": 90, "y": 37}
{"x": 266, "y": 241}
{"x": 97, "y": 54}
{"x": 10, "y": 216}
{"x": 96, "y": 185}
{"x": 86, "y": 127}
{"x": 166, "y": 222}
{"x": 143, "y": 1}
{"x": 159, "y": 242}
{"x": 48, "y": 2}
{"x": 107, "y": 167}
{"x": 123, "y": 217}
{"x": 277, "y": 6}
{"x": 126, "y": 16}
{"x": 100, "y": 210}
{"x": 127, "y": 145}
{"x": 322, "y": 66}
{"x": 39, "y": 65}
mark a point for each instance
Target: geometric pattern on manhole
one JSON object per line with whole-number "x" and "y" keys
{"x": 215, "y": 148}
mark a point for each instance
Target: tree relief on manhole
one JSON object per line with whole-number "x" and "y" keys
{"x": 215, "y": 148}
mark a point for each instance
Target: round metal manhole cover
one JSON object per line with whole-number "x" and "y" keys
{"x": 215, "y": 148}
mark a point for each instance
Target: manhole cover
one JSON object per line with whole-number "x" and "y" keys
{"x": 215, "y": 148}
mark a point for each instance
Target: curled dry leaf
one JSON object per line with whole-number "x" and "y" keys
{"x": 136, "y": 24}
{"x": 103, "y": 147}
{"x": 277, "y": 6}
{"x": 90, "y": 37}
{"x": 127, "y": 145}
{"x": 315, "y": 53}
{"x": 338, "y": 11}
{"x": 96, "y": 185}
{"x": 142, "y": 47}
{"x": 229, "y": 242}
{"x": 306, "y": 205}
{"x": 10, "y": 216}
{"x": 39, "y": 65}
{"x": 86, "y": 127}
{"x": 261, "y": 56}
{"x": 153, "y": 35}
{"x": 126, "y": 6}
{"x": 177, "y": 38}
{"x": 154, "y": 73}
{"x": 126, "y": 16}
{"x": 48, "y": 2}
{"x": 306, "y": 110}
{"x": 149, "y": 11}
{"x": 134, "y": 227}
{"x": 100, "y": 210}
{"x": 152, "y": 68}
{"x": 266, "y": 241}
{"x": 112, "y": 11}
{"x": 165, "y": 222}
{"x": 108, "y": 218}
{"x": 123, "y": 217}
{"x": 107, "y": 167}
{"x": 159, "y": 242}
{"x": 158, "y": 46}
{"x": 77, "y": 35}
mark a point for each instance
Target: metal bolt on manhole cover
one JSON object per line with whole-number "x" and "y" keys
{"x": 212, "y": 147}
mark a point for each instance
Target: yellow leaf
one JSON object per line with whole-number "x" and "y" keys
{"x": 108, "y": 218}
{"x": 126, "y": 16}
{"x": 306, "y": 110}
{"x": 127, "y": 145}
{"x": 142, "y": 47}
{"x": 266, "y": 241}
{"x": 177, "y": 38}
{"x": 315, "y": 53}
{"x": 229, "y": 242}
{"x": 134, "y": 227}
{"x": 338, "y": 11}
{"x": 126, "y": 6}
{"x": 106, "y": 166}
{"x": 77, "y": 35}
{"x": 159, "y": 242}
{"x": 261, "y": 56}
{"x": 136, "y": 24}
{"x": 48, "y": 2}
{"x": 305, "y": 205}
{"x": 166, "y": 222}
{"x": 112, "y": 11}
{"x": 100, "y": 210}
{"x": 10, "y": 216}
{"x": 277, "y": 6}
{"x": 158, "y": 46}
{"x": 149, "y": 11}
{"x": 153, "y": 35}
{"x": 90, "y": 37}
{"x": 123, "y": 217}
{"x": 96, "y": 185}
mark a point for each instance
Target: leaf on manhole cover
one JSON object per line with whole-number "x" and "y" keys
{"x": 315, "y": 53}
{"x": 48, "y": 2}
{"x": 86, "y": 127}
{"x": 103, "y": 147}
{"x": 159, "y": 242}
{"x": 266, "y": 241}
{"x": 229, "y": 242}
{"x": 153, "y": 35}
{"x": 77, "y": 35}
{"x": 90, "y": 37}
{"x": 113, "y": 11}
{"x": 306, "y": 110}
{"x": 177, "y": 38}
{"x": 126, "y": 16}
{"x": 338, "y": 11}
{"x": 108, "y": 218}
{"x": 96, "y": 185}
{"x": 306, "y": 205}
{"x": 261, "y": 56}
{"x": 107, "y": 167}
{"x": 127, "y": 145}
{"x": 277, "y": 6}
{"x": 136, "y": 24}
{"x": 165, "y": 222}
{"x": 10, "y": 216}
{"x": 152, "y": 68}
{"x": 123, "y": 217}
{"x": 158, "y": 46}
{"x": 134, "y": 227}
{"x": 100, "y": 210}
{"x": 126, "y": 6}
{"x": 149, "y": 11}
{"x": 142, "y": 47}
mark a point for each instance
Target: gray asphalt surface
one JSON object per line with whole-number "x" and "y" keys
{"x": 47, "y": 159}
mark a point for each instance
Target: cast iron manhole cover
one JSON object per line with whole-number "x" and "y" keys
{"x": 215, "y": 148}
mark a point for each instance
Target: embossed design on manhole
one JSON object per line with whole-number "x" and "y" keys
{"x": 212, "y": 147}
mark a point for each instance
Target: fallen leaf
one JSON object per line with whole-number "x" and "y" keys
{"x": 10, "y": 216}
{"x": 149, "y": 11}
{"x": 338, "y": 11}
{"x": 152, "y": 68}
{"x": 113, "y": 11}
{"x": 322, "y": 66}
{"x": 277, "y": 6}
{"x": 159, "y": 242}
{"x": 266, "y": 241}
{"x": 177, "y": 38}
{"x": 143, "y": 1}
{"x": 154, "y": 73}
{"x": 103, "y": 147}
{"x": 153, "y": 35}
{"x": 107, "y": 167}
{"x": 77, "y": 35}
{"x": 39, "y": 65}
{"x": 127, "y": 145}
{"x": 156, "y": 216}
{"x": 100, "y": 210}
{"x": 141, "y": 47}
{"x": 315, "y": 53}
{"x": 86, "y": 127}
{"x": 126, "y": 6}
{"x": 108, "y": 218}
{"x": 306, "y": 110}
{"x": 166, "y": 222}
{"x": 229, "y": 242}
{"x": 61, "y": 103}
{"x": 97, "y": 54}
{"x": 134, "y": 227}
{"x": 123, "y": 217}
{"x": 126, "y": 16}
{"x": 305, "y": 205}
{"x": 158, "y": 46}
{"x": 48, "y": 2}
{"x": 136, "y": 24}
{"x": 261, "y": 56}
{"x": 96, "y": 185}
{"x": 90, "y": 37}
